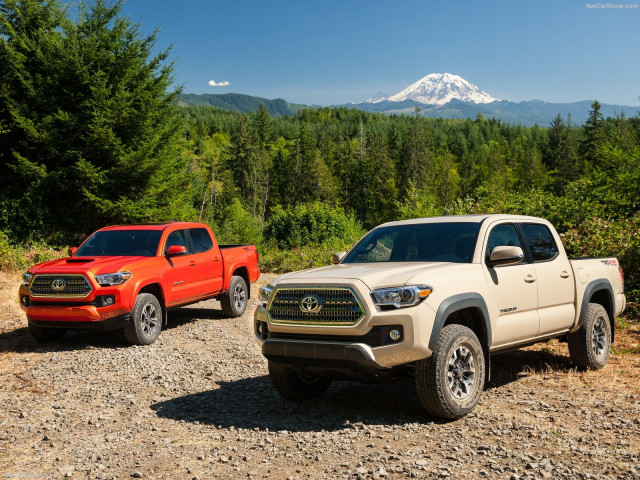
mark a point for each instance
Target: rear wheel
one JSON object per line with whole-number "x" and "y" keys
{"x": 450, "y": 382}
{"x": 234, "y": 300}
{"x": 590, "y": 347}
{"x": 146, "y": 321}
{"x": 296, "y": 385}
{"x": 46, "y": 334}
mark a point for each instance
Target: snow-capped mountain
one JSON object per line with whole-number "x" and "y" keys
{"x": 438, "y": 89}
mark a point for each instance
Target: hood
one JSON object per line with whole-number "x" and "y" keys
{"x": 374, "y": 275}
{"x": 97, "y": 265}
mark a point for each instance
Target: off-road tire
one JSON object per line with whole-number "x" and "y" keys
{"x": 234, "y": 300}
{"x": 590, "y": 347}
{"x": 294, "y": 385}
{"x": 450, "y": 382}
{"x": 146, "y": 321}
{"x": 45, "y": 334}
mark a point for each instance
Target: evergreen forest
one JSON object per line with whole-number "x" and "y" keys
{"x": 91, "y": 134}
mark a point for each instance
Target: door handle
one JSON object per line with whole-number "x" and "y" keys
{"x": 530, "y": 278}
{"x": 565, "y": 274}
{"x": 216, "y": 259}
{"x": 192, "y": 263}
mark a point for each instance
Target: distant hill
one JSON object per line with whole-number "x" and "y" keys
{"x": 237, "y": 102}
{"x": 525, "y": 113}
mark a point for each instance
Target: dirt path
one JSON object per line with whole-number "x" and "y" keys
{"x": 199, "y": 404}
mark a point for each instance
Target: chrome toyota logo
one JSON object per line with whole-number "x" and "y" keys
{"x": 58, "y": 284}
{"x": 310, "y": 304}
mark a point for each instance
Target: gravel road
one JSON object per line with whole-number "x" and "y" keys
{"x": 198, "y": 404}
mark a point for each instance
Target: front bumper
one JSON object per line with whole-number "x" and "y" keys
{"x": 351, "y": 348}
{"x": 305, "y": 353}
{"x": 107, "y": 325}
{"x": 76, "y": 313}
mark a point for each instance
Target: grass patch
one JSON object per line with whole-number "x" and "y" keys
{"x": 14, "y": 257}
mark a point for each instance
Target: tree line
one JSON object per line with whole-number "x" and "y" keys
{"x": 91, "y": 134}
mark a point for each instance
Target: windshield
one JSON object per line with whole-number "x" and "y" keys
{"x": 421, "y": 242}
{"x": 129, "y": 243}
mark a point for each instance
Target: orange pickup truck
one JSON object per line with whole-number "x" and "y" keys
{"x": 128, "y": 276}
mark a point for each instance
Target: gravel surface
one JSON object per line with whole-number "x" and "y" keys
{"x": 198, "y": 404}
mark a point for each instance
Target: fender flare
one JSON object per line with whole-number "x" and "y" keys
{"x": 601, "y": 284}
{"x": 459, "y": 302}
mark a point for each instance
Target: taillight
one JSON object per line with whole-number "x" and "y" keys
{"x": 621, "y": 275}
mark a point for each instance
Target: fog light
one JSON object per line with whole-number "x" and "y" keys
{"x": 394, "y": 335}
{"x": 25, "y": 300}
{"x": 109, "y": 300}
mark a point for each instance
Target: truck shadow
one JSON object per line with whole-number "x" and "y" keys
{"x": 20, "y": 341}
{"x": 509, "y": 367}
{"x": 185, "y": 315}
{"x": 253, "y": 402}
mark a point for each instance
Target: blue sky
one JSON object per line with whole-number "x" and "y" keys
{"x": 330, "y": 52}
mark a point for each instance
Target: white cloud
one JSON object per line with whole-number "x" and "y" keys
{"x": 219, "y": 84}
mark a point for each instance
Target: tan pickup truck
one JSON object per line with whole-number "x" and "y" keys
{"x": 435, "y": 297}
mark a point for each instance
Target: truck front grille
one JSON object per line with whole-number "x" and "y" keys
{"x": 315, "y": 306}
{"x": 60, "y": 286}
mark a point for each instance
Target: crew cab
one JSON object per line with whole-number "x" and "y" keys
{"x": 128, "y": 276}
{"x": 435, "y": 297}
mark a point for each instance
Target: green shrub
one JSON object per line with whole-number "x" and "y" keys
{"x": 312, "y": 223}
{"x": 21, "y": 257}
{"x": 237, "y": 226}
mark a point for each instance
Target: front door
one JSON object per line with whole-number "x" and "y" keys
{"x": 181, "y": 274}
{"x": 512, "y": 291}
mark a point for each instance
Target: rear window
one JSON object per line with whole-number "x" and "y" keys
{"x": 201, "y": 240}
{"x": 422, "y": 242}
{"x": 541, "y": 241}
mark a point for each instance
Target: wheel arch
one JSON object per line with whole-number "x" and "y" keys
{"x": 243, "y": 272}
{"x": 156, "y": 290}
{"x": 600, "y": 292}
{"x": 468, "y": 309}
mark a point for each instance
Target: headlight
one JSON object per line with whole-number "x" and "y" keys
{"x": 26, "y": 278}
{"x": 265, "y": 294}
{"x": 398, "y": 297}
{"x": 113, "y": 278}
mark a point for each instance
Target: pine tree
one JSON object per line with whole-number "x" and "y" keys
{"x": 594, "y": 136}
{"x": 93, "y": 136}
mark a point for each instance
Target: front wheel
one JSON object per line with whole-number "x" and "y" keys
{"x": 234, "y": 300}
{"x": 295, "y": 385}
{"x": 590, "y": 347}
{"x": 146, "y": 321}
{"x": 449, "y": 383}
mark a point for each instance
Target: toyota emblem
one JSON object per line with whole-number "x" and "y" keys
{"x": 310, "y": 304}
{"x": 58, "y": 284}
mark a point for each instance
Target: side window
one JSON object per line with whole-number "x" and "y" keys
{"x": 543, "y": 246}
{"x": 179, "y": 237}
{"x": 200, "y": 240}
{"x": 502, "y": 236}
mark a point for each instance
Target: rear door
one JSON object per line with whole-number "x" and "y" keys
{"x": 181, "y": 278}
{"x": 556, "y": 285}
{"x": 512, "y": 290}
{"x": 208, "y": 259}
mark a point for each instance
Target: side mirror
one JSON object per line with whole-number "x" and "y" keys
{"x": 337, "y": 257}
{"x": 504, "y": 255}
{"x": 176, "y": 250}
{"x": 71, "y": 251}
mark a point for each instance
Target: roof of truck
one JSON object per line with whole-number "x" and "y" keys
{"x": 464, "y": 218}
